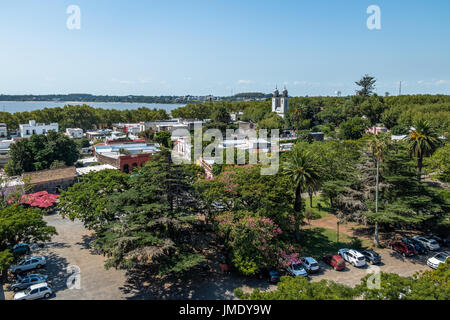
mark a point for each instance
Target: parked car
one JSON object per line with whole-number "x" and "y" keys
{"x": 430, "y": 244}
{"x": 270, "y": 274}
{"x": 438, "y": 259}
{"x": 21, "y": 249}
{"x": 353, "y": 257}
{"x": 37, "y": 291}
{"x": 28, "y": 264}
{"x": 446, "y": 240}
{"x": 404, "y": 249}
{"x": 371, "y": 256}
{"x": 420, "y": 248}
{"x": 310, "y": 264}
{"x": 297, "y": 269}
{"x": 335, "y": 261}
{"x": 27, "y": 281}
{"x": 441, "y": 240}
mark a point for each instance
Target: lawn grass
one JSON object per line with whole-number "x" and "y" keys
{"x": 318, "y": 214}
{"x": 317, "y": 242}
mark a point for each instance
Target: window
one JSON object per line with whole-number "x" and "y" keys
{"x": 43, "y": 289}
{"x": 34, "y": 291}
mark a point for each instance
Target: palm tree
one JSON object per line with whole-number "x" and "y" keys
{"x": 296, "y": 116}
{"x": 377, "y": 146}
{"x": 302, "y": 168}
{"x": 423, "y": 141}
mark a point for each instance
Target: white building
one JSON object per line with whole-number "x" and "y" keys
{"x": 74, "y": 133}
{"x": 280, "y": 104}
{"x": 86, "y": 170}
{"x": 5, "y": 145}
{"x": 3, "y": 130}
{"x": 32, "y": 128}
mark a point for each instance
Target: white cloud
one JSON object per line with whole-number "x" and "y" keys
{"x": 439, "y": 82}
{"x": 434, "y": 82}
{"x": 245, "y": 81}
{"x": 306, "y": 83}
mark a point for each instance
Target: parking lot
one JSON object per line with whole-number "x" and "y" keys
{"x": 391, "y": 262}
{"x": 71, "y": 247}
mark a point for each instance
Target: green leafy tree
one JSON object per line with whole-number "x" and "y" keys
{"x": 431, "y": 285}
{"x": 154, "y": 222}
{"x": 353, "y": 128}
{"x": 17, "y": 225}
{"x": 164, "y": 138}
{"x": 221, "y": 115}
{"x": 87, "y": 199}
{"x": 439, "y": 163}
{"x": 40, "y": 151}
{"x": 299, "y": 288}
{"x": 367, "y": 84}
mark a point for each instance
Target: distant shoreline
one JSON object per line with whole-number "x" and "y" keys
{"x": 52, "y": 101}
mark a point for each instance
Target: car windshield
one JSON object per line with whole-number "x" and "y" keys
{"x": 440, "y": 257}
{"x": 314, "y": 264}
{"x": 360, "y": 258}
{"x": 27, "y": 291}
{"x": 21, "y": 262}
{"x": 433, "y": 242}
{"x": 297, "y": 267}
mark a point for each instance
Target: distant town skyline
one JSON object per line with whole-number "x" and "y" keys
{"x": 222, "y": 48}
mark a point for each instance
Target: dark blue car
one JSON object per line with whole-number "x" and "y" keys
{"x": 416, "y": 244}
{"x": 21, "y": 249}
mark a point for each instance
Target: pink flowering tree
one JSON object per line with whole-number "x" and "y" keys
{"x": 253, "y": 240}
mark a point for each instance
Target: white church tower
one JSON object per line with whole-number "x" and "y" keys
{"x": 280, "y": 104}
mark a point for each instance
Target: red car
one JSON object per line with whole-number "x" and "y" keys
{"x": 403, "y": 248}
{"x": 335, "y": 260}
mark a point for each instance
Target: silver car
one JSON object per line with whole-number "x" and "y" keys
{"x": 28, "y": 280}
{"x": 28, "y": 264}
{"x": 37, "y": 291}
{"x": 430, "y": 244}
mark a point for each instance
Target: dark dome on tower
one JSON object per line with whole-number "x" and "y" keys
{"x": 276, "y": 93}
{"x": 285, "y": 92}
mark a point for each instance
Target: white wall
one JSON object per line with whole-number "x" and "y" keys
{"x": 27, "y": 130}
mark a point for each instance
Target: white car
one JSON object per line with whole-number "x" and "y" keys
{"x": 353, "y": 257}
{"x": 297, "y": 270}
{"x": 37, "y": 291}
{"x": 430, "y": 244}
{"x": 28, "y": 264}
{"x": 310, "y": 264}
{"x": 438, "y": 259}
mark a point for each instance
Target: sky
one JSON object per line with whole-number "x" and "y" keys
{"x": 203, "y": 47}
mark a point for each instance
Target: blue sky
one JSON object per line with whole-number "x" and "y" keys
{"x": 223, "y": 47}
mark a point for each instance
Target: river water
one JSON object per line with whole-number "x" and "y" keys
{"x": 21, "y": 106}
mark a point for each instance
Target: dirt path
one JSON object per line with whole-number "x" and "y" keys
{"x": 330, "y": 222}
